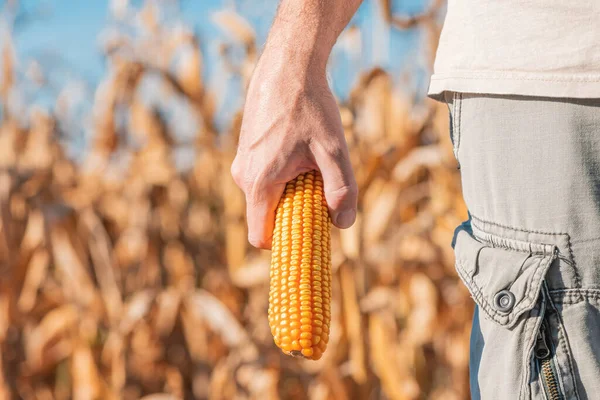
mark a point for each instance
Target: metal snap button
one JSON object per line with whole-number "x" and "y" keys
{"x": 504, "y": 300}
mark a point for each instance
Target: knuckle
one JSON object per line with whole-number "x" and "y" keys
{"x": 335, "y": 152}
{"x": 237, "y": 172}
{"x": 258, "y": 187}
{"x": 342, "y": 196}
{"x": 345, "y": 192}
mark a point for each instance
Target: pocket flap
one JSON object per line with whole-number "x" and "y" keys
{"x": 505, "y": 283}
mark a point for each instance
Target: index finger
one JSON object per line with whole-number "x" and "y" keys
{"x": 261, "y": 205}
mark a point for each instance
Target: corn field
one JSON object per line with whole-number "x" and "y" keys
{"x": 124, "y": 276}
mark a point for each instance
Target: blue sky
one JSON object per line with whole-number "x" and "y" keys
{"x": 63, "y": 31}
{"x": 64, "y": 34}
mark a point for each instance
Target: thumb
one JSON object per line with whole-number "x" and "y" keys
{"x": 341, "y": 191}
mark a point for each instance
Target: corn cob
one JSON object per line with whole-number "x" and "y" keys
{"x": 300, "y": 289}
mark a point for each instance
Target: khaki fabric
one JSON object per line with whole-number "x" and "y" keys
{"x": 530, "y": 251}
{"x": 522, "y": 47}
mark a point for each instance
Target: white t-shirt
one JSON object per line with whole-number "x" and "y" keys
{"x": 520, "y": 47}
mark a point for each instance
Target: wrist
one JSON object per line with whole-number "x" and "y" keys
{"x": 299, "y": 45}
{"x": 294, "y": 65}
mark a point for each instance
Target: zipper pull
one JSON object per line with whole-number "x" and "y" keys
{"x": 542, "y": 350}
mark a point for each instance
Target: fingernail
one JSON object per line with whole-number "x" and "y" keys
{"x": 345, "y": 219}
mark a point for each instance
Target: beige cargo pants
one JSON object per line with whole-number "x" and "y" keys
{"x": 530, "y": 251}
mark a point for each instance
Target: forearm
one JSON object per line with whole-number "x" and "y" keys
{"x": 304, "y": 32}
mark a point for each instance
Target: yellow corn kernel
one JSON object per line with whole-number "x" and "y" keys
{"x": 301, "y": 245}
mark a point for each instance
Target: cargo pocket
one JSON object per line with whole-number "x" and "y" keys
{"x": 506, "y": 283}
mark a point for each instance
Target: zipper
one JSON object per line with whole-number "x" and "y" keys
{"x": 543, "y": 354}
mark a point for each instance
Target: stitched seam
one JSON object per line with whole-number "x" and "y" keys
{"x": 522, "y": 303}
{"x": 587, "y": 240}
{"x": 563, "y": 343}
{"x": 475, "y": 75}
{"x": 558, "y": 365}
{"x": 528, "y": 356}
{"x": 517, "y": 229}
{"x": 478, "y": 295}
{"x": 527, "y": 362}
{"x": 502, "y": 318}
{"x": 450, "y": 116}
{"x": 565, "y": 347}
{"x": 517, "y": 274}
{"x": 454, "y": 117}
{"x": 561, "y": 378}
{"x": 501, "y": 242}
{"x": 454, "y": 96}
{"x": 459, "y": 132}
{"x": 577, "y": 276}
{"x": 568, "y": 354}
{"x": 589, "y": 292}
{"x": 574, "y": 296}
{"x": 575, "y": 269}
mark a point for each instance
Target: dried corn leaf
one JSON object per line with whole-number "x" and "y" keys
{"x": 220, "y": 320}
{"x": 36, "y": 273}
{"x": 353, "y": 322}
{"x": 235, "y": 25}
{"x": 56, "y": 324}
{"x": 126, "y": 276}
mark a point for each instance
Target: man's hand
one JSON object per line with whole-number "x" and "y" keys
{"x": 290, "y": 128}
{"x": 291, "y": 121}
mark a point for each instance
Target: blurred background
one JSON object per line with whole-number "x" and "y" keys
{"x": 124, "y": 267}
